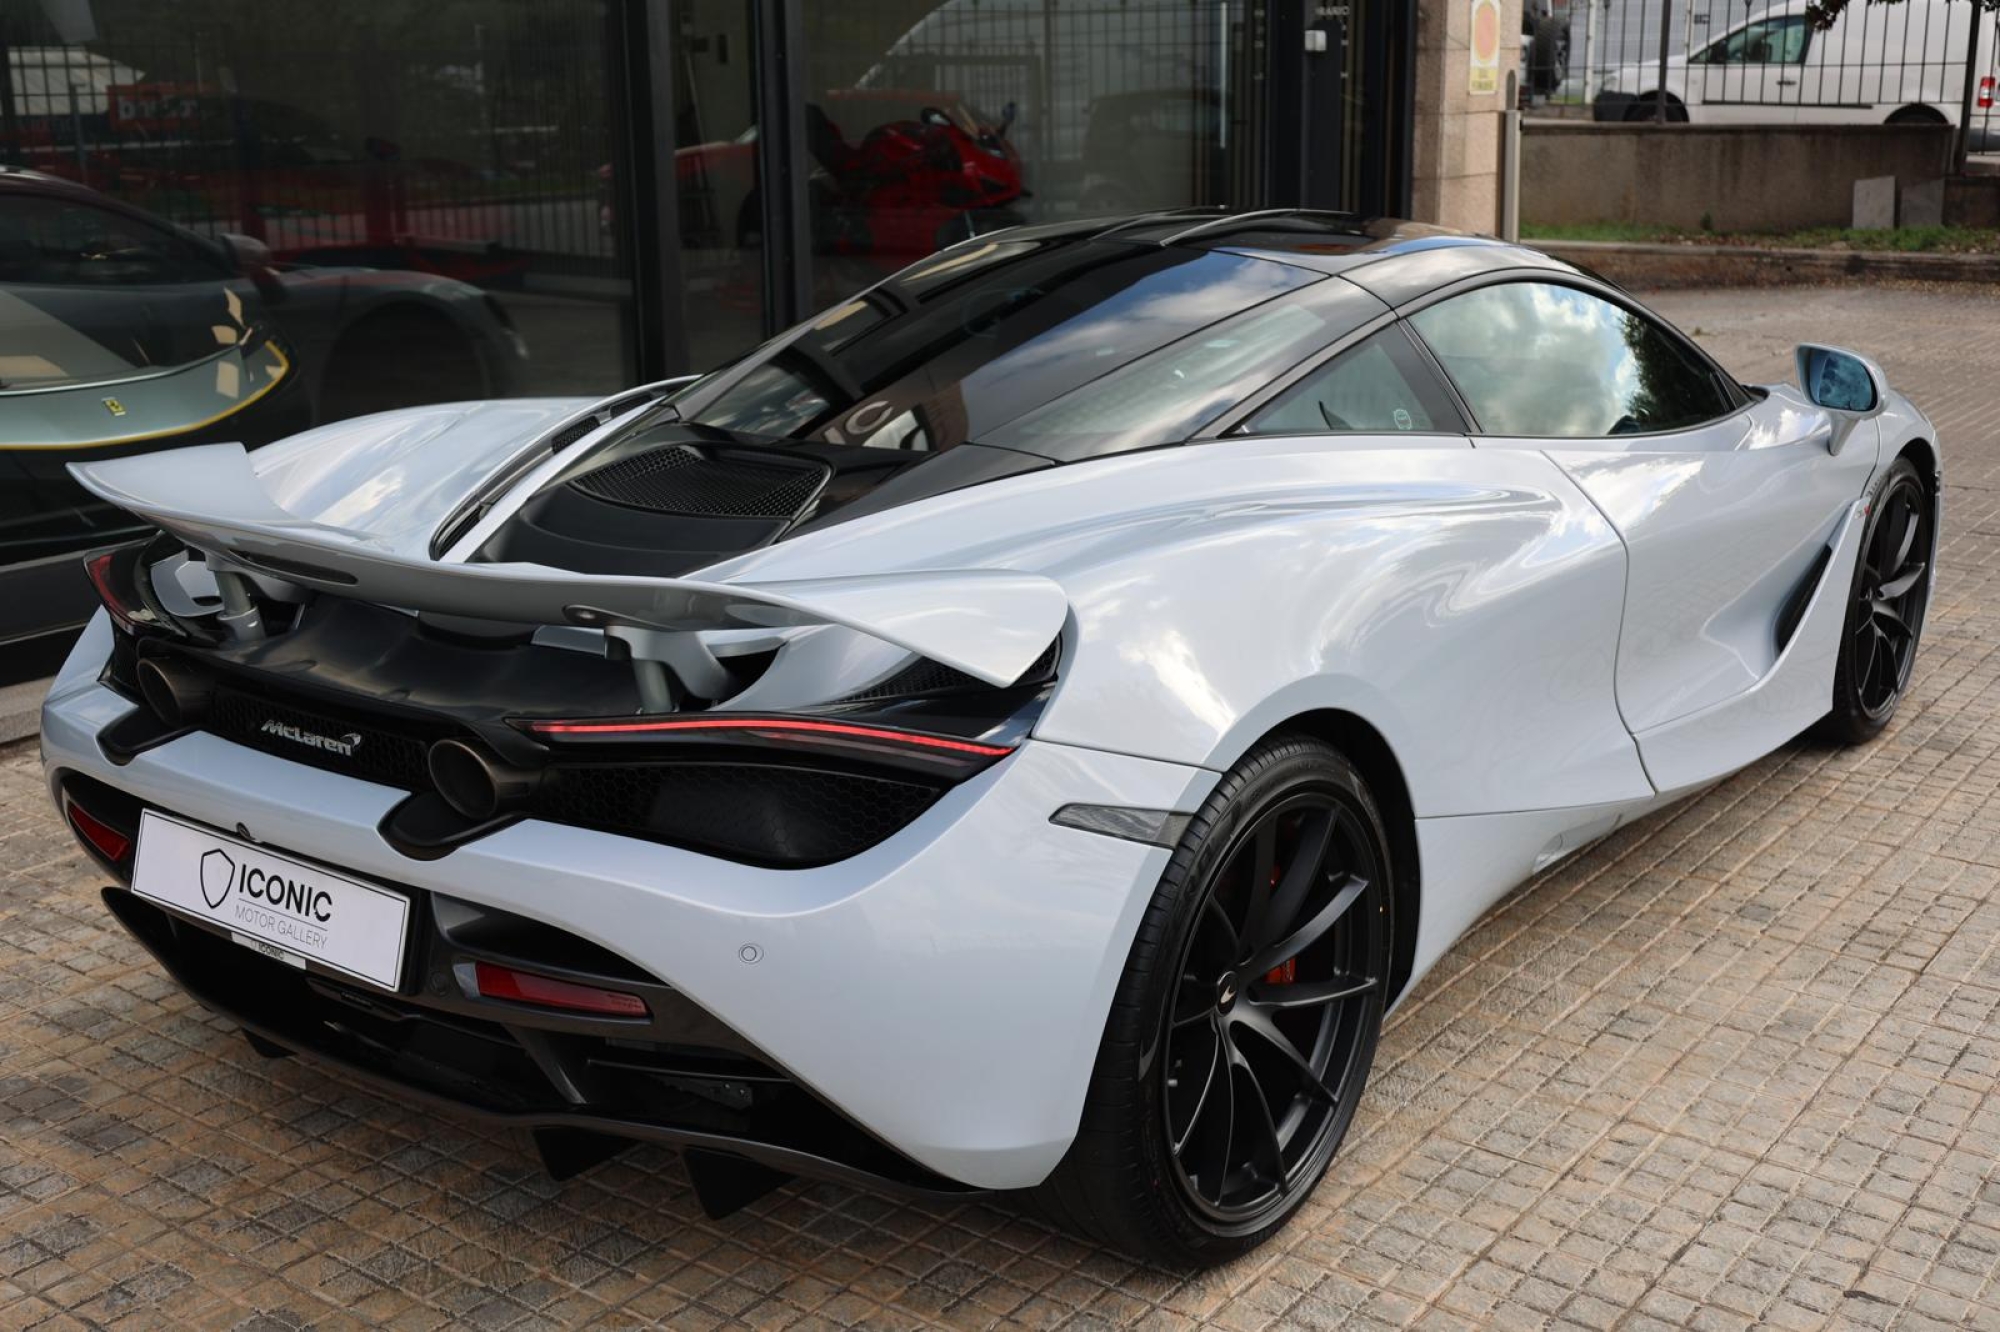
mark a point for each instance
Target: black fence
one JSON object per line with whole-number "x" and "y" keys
{"x": 1759, "y": 62}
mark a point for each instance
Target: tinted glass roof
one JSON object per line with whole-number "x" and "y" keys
{"x": 952, "y": 349}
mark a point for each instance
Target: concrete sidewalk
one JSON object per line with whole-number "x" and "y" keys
{"x": 20, "y": 709}
{"x": 1735, "y": 1067}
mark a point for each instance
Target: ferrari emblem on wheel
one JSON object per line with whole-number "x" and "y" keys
{"x": 1104, "y": 666}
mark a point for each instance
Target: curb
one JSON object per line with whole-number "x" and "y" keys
{"x": 1667, "y": 267}
{"x": 21, "y": 709}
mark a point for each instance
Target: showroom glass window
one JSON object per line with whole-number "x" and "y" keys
{"x": 930, "y": 122}
{"x": 1540, "y": 360}
{"x": 432, "y": 183}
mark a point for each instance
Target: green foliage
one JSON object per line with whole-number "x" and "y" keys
{"x": 1932, "y": 240}
{"x": 1822, "y": 13}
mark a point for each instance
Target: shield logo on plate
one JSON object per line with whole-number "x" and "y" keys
{"x": 115, "y": 407}
{"x": 218, "y": 871}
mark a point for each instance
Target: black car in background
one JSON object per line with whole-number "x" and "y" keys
{"x": 121, "y": 332}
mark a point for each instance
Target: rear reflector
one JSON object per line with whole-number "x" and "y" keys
{"x": 492, "y": 981}
{"x": 106, "y": 840}
{"x": 777, "y": 728}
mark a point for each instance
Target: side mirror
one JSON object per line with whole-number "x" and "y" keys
{"x": 1845, "y": 383}
{"x": 1840, "y": 381}
{"x": 252, "y": 258}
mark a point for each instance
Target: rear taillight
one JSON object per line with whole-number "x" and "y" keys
{"x": 111, "y": 573}
{"x": 102, "y": 838}
{"x": 1986, "y": 93}
{"x": 856, "y": 740}
{"x": 489, "y": 980}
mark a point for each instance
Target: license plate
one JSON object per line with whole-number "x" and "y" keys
{"x": 282, "y": 907}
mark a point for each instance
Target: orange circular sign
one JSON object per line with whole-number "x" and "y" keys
{"x": 1485, "y": 31}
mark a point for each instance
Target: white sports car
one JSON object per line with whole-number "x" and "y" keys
{"x": 1018, "y": 731}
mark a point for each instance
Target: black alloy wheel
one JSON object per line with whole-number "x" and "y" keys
{"x": 1271, "y": 1023}
{"x": 1243, "y": 1028}
{"x": 1892, "y": 584}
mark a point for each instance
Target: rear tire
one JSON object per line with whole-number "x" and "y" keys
{"x": 1242, "y": 1031}
{"x": 1885, "y": 609}
{"x": 1641, "y": 110}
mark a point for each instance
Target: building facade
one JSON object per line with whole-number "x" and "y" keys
{"x": 650, "y": 187}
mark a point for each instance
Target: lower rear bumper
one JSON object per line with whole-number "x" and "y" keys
{"x": 508, "y": 1074}
{"x": 945, "y": 991}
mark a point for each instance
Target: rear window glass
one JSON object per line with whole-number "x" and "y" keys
{"x": 954, "y": 348}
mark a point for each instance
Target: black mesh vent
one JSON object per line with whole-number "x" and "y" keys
{"x": 779, "y": 815}
{"x": 374, "y": 752}
{"x": 573, "y": 432}
{"x": 677, "y": 479}
{"x": 922, "y": 676}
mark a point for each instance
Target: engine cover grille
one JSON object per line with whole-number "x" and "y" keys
{"x": 682, "y": 480}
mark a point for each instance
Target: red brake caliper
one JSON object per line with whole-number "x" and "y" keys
{"x": 1287, "y": 971}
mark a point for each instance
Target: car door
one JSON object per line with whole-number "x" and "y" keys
{"x": 1524, "y": 556}
{"x": 1751, "y": 74}
{"x": 1732, "y": 503}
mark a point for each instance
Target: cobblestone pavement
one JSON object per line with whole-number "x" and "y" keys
{"x": 1735, "y": 1066}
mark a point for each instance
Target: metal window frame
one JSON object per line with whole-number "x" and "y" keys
{"x": 645, "y": 199}
{"x": 777, "y": 38}
{"x": 1293, "y": 161}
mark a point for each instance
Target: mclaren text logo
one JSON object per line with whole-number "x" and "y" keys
{"x": 343, "y": 745}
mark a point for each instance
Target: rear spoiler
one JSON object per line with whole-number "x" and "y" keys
{"x": 991, "y": 624}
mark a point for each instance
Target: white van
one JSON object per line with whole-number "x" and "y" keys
{"x": 1879, "y": 63}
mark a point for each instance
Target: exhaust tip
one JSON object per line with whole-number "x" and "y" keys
{"x": 477, "y": 783}
{"x": 178, "y": 694}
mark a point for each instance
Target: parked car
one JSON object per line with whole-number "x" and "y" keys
{"x": 121, "y": 332}
{"x": 1901, "y": 64}
{"x": 1544, "y": 46}
{"x": 1018, "y": 731}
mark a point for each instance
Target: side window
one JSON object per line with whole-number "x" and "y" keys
{"x": 1778, "y": 41}
{"x": 60, "y": 243}
{"x": 1380, "y": 386}
{"x": 1540, "y": 360}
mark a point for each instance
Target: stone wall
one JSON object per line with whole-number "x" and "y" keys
{"x": 1737, "y": 177}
